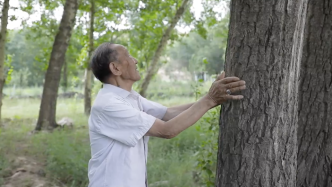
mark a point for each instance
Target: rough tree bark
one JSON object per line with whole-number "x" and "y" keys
{"x": 315, "y": 99}
{"x": 154, "y": 63}
{"x": 257, "y": 140}
{"x": 3, "y": 34}
{"x": 65, "y": 76}
{"x": 47, "y": 110}
{"x": 88, "y": 71}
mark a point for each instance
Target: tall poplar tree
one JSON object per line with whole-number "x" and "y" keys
{"x": 257, "y": 142}
{"x": 46, "y": 118}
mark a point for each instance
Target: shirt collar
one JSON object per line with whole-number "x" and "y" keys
{"x": 119, "y": 91}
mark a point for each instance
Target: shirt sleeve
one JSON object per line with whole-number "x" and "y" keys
{"x": 155, "y": 109}
{"x": 124, "y": 123}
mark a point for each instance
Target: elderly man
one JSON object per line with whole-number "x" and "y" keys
{"x": 121, "y": 120}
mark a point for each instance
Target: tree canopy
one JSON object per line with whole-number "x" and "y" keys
{"x": 139, "y": 25}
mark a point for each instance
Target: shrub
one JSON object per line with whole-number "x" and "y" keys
{"x": 67, "y": 156}
{"x": 206, "y": 155}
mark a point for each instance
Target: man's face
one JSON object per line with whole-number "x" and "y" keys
{"x": 127, "y": 64}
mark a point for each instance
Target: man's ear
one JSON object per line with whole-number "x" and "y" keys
{"x": 115, "y": 68}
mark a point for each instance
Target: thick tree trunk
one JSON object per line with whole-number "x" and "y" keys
{"x": 315, "y": 99}
{"x": 47, "y": 110}
{"x": 3, "y": 33}
{"x": 257, "y": 141}
{"x": 88, "y": 71}
{"x": 154, "y": 64}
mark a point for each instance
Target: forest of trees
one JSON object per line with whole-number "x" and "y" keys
{"x": 279, "y": 135}
{"x": 145, "y": 37}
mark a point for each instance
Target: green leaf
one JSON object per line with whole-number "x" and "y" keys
{"x": 208, "y": 171}
{"x": 205, "y": 61}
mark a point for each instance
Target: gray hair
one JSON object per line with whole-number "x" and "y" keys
{"x": 101, "y": 59}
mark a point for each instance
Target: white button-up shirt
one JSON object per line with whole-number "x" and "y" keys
{"x": 118, "y": 122}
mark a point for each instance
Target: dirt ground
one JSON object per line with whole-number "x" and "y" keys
{"x": 26, "y": 172}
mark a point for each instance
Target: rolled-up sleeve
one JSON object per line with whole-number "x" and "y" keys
{"x": 124, "y": 123}
{"x": 155, "y": 109}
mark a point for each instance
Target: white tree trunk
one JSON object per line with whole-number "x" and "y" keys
{"x": 88, "y": 71}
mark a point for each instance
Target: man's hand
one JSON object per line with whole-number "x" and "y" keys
{"x": 221, "y": 90}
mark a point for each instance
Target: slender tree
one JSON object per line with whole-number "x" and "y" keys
{"x": 315, "y": 99}
{"x": 3, "y": 33}
{"x": 257, "y": 141}
{"x": 88, "y": 71}
{"x": 65, "y": 76}
{"x": 47, "y": 110}
{"x": 154, "y": 63}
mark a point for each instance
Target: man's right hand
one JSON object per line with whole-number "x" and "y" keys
{"x": 222, "y": 89}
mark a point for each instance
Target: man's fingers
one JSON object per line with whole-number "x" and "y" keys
{"x": 234, "y": 97}
{"x": 239, "y": 88}
{"x": 221, "y": 76}
{"x": 235, "y": 84}
{"x": 222, "y": 84}
{"x": 229, "y": 80}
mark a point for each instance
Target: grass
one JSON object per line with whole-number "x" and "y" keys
{"x": 65, "y": 153}
{"x": 3, "y": 166}
{"x": 13, "y": 91}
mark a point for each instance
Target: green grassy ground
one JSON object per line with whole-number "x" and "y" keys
{"x": 64, "y": 154}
